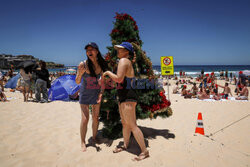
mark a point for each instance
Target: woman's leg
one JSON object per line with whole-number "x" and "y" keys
{"x": 38, "y": 90}
{"x": 24, "y": 93}
{"x": 1, "y": 98}
{"x": 83, "y": 124}
{"x": 126, "y": 131}
{"x": 1, "y": 84}
{"x": 95, "y": 119}
{"x": 27, "y": 89}
{"x": 128, "y": 112}
{"x": 44, "y": 91}
{"x": 4, "y": 97}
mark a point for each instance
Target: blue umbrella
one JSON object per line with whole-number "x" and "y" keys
{"x": 63, "y": 87}
{"x": 12, "y": 82}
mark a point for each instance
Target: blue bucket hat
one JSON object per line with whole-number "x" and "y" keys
{"x": 93, "y": 44}
{"x": 125, "y": 45}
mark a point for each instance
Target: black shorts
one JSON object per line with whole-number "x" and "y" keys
{"x": 127, "y": 95}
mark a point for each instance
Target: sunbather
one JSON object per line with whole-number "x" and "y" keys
{"x": 176, "y": 88}
{"x": 194, "y": 89}
{"x": 226, "y": 91}
{"x": 244, "y": 93}
{"x": 204, "y": 94}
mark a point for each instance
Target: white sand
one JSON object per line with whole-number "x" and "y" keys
{"x": 34, "y": 134}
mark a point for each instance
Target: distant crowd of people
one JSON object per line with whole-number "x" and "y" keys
{"x": 208, "y": 87}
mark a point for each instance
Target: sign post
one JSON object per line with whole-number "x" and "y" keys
{"x": 167, "y": 68}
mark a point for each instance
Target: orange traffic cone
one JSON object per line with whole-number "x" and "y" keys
{"x": 199, "y": 127}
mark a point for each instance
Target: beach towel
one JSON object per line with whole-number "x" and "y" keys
{"x": 10, "y": 98}
{"x": 229, "y": 99}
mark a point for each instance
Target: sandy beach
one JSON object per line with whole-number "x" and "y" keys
{"x": 35, "y": 134}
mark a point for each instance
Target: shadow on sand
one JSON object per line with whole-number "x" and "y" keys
{"x": 149, "y": 134}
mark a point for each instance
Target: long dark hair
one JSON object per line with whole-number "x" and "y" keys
{"x": 131, "y": 55}
{"x": 102, "y": 63}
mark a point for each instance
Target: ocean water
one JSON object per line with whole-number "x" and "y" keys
{"x": 191, "y": 70}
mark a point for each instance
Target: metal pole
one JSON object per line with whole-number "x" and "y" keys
{"x": 168, "y": 89}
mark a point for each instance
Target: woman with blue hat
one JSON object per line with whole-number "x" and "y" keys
{"x": 127, "y": 99}
{"x": 90, "y": 91}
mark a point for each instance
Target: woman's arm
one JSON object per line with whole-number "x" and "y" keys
{"x": 80, "y": 71}
{"x": 21, "y": 72}
{"x": 121, "y": 71}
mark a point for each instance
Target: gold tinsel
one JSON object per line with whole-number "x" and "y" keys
{"x": 151, "y": 115}
{"x": 169, "y": 111}
{"x": 145, "y": 58}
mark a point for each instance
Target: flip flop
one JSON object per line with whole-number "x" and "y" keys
{"x": 119, "y": 149}
{"x": 142, "y": 156}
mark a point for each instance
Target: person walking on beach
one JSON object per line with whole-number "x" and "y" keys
{"x": 26, "y": 77}
{"x": 127, "y": 99}
{"x": 202, "y": 73}
{"x": 90, "y": 92}
{"x": 226, "y": 75}
{"x": 231, "y": 77}
{"x": 42, "y": 76}
{"x": 221, "y": 74}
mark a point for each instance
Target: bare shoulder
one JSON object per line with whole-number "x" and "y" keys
{"x": 124, "y": 60}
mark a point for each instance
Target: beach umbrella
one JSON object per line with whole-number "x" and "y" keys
{"x": 63, "y": 87}
{"x": 71, "y": 70}
{"x": 28, "y": 64}
{"x": 20, "y": 65}
{"x": 246, "y": 72}
{"x": 12, "y": 82}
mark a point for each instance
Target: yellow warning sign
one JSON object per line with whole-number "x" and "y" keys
{"x": 167, "y": 65}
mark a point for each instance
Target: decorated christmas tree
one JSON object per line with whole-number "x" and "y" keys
{"x": 152, "y": 101}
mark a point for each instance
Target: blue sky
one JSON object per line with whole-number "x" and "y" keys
{"x": 195, "y": 32}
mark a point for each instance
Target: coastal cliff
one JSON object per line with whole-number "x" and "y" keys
{"x": 7, "y": 60}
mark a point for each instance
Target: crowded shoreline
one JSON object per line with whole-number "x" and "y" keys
{"x": 181, "y": 77}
